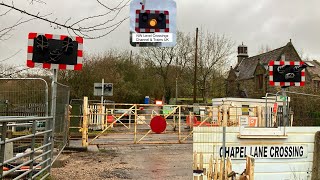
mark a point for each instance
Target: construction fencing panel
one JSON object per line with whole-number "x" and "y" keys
{"x": 61, "y": 117}
{"x": 25, "y": 140}
{"x": 23, "y": 97}
{"x": 20, "y": 98}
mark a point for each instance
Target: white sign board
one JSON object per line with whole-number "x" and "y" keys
{"x": 244, "y": 120}
{"x": 152, "y": 37}
{"x": 107, "y": 89}
{"x": 268, "y": 152}
{"x": 247, "y": 121}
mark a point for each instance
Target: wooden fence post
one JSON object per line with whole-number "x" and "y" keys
{"x": 259, "y": 115}
{"x": 250, "y": 167}
{"x": 316, "y": 157}
{"x": 85, "y": 123}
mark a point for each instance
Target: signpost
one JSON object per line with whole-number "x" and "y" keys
{"x": 54, "y": 52}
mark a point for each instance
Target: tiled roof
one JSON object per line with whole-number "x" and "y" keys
{"x": 314, "y": 69}
{"x": 248, "y": 65}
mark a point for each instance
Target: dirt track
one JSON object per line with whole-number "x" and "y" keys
{"x": 143, "y": 162}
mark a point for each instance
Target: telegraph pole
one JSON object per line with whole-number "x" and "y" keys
{"x": 195, "y": 69}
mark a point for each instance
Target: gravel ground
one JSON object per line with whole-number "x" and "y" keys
{"x": 143, "y": 162}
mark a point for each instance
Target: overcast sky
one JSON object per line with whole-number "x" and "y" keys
{"x": 253, "y": 22}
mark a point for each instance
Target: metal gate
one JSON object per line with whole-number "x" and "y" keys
{"x": 28, "y": 133}
{"x": 114, "y": 123}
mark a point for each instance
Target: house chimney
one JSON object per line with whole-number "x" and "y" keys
{"x": 242, "y": 52}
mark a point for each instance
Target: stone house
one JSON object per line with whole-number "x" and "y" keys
{"x": 249, "y": 78}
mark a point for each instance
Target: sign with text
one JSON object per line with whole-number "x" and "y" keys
{"x": 107, "y": 89}
{"x": 267, "y": 152}
{"x": 248, "y": 121}
{"x": 152, "y": 37}
{"x": 244, "y": 120}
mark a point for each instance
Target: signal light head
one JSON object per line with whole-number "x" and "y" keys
{"x": 145, "y": 17}
{"x": 290, "y": 76}
{"x": 151, "y": 19}
{"x": 153, "y": 22}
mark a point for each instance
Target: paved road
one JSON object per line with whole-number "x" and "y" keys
{"x": 136, "y": 161}
{"x": 157, "y": 162}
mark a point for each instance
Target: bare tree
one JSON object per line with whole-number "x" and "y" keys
{"x": 169, "y": 63}
{"x": 214, "y": 53}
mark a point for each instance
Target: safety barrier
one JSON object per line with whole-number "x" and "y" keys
{"x": 36, "y": 160}
{"x": 24, "y": 115}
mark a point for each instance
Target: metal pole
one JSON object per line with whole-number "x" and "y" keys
{"x": 285, "y": 114}
{"x": 179, "y": 133}
{"x": 195, "y": 69}
{"x": 53, "y": 110}
{"x": 135, "y": 124}
{"x": 102, "y": 92}
{"x": 176, "y": 91}
{"x": 224, "y": 130}
{"x": 266, "y": 113}
{"x": 33, "y": 141}
{"x": 3, "y": 146}
{"x": 102, "y": 109}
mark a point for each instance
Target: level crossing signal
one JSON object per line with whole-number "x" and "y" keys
{"x": 152, "y": 21}
{"x": 55, "y": 51}
{"x": 287, "y": 73}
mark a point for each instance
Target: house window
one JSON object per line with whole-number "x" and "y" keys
{"x": 316, "y": 85}
{"x": 259, "y": 82}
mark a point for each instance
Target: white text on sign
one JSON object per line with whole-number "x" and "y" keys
{"x": 152, "y": 37}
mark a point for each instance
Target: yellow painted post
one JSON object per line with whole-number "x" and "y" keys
{"x": 250, "y": 167}
{"x": 195, "y": 161}
{"x": 216, "y": 170}
{"x": 228, "y": 168}
{"x": 221, "y": 169}
{"x": 135, "y": 124}
{"x": 85, "y": 123}
{"x": 219, "y": 116}
{"x": 179, "y": 132}
{"x": 69, "y": 119}
{"x": 259, "y": 115}
{"x": 201, "y": 165}
{"x": 209, "y": 172}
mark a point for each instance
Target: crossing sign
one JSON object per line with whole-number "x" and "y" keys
{"x": 105, "y": 90}
{"x": 51, "y": 51}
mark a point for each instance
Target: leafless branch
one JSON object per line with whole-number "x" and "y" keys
{"x": 102, "y": 28}
{"x": 112, "y": 9}
{"x": 5, "y": 12}
{"x": 11, "y": 56}
{"x": 4, "y": 32}
{"x": 37, "y": 1}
